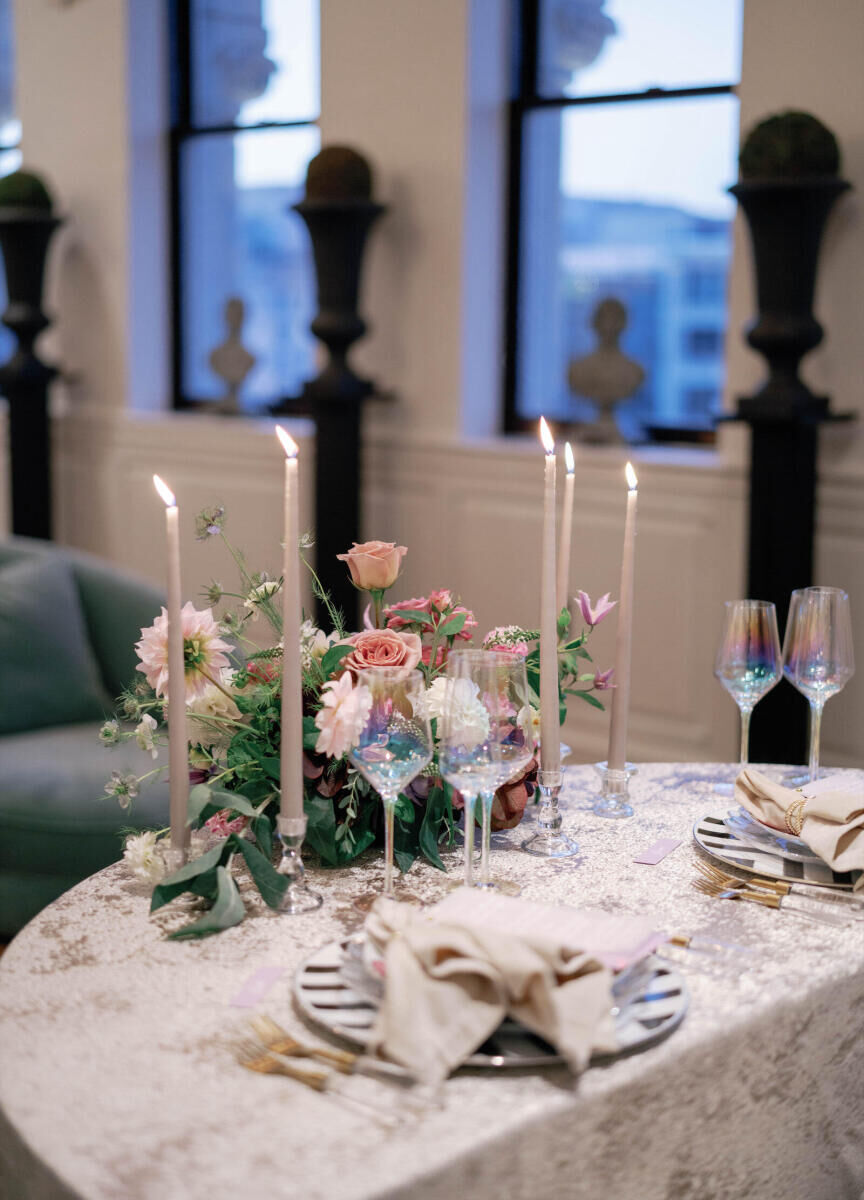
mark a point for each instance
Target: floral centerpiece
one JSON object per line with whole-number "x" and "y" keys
{"x": 232, "y": 689}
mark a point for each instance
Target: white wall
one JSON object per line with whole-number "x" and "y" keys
{"x": 401, "y": 82}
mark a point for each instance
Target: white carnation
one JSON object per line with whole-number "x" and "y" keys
{"x": 141, "y": 852}
{"x": 462, "y": 715}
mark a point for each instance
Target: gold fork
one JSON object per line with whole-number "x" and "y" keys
{"x": 253, "y": 1057}
{"x": 766, "y": 899}
{"x": 279, "y": 1041}
{"x": 853, "y": 905}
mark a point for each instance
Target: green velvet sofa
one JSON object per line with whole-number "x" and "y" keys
{"x": 68, "y": 624}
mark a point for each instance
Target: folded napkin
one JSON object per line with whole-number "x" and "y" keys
{"x": 827, "y": 814}
{"x": 452, "y": 977}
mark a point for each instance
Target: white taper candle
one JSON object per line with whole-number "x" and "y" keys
{"x": 178, "y": 744}
{"x": 550, "y": 740}
{"x": 566, "y": 530}
{"x": 291, "y": 753}
{"x": 617, "y": 754}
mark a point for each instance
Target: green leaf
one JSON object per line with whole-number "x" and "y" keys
{"x": 454, "y": 625}
{"x": 204, "y": 796}
{"x": 180, "y": 881}
{"x": 310, "y": 733}
{"x": 404, "y": 859}
{"x": 563, "y": 621}
{"x": 321, "y": 828}
{"x": 418, "y": 617}
{"x": 267, "y": 879}
{"x": 430, "y": 826}
{"x": 271, "y": 767}
{"x": 404, "y": 809}
{"x": 333, "y": 658}
{"x": 589, "y": 698}
{"x": 263, "y": 831}
{"x": 227, "y": 910}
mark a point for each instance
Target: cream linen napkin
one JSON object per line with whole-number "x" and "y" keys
{"x": 824, "y": 814}
{"x": 449, "y": 984}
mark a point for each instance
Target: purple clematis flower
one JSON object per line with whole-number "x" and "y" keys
{"x": 594, "y": 615}
{"x": 602, "y": 680}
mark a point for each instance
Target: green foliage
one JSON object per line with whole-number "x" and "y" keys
{"x": 789, "y": 145}
{"x": 23, "y": 189}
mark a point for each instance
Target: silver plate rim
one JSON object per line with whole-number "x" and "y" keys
{"x": 748, "y": 852}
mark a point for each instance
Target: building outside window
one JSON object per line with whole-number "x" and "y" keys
{"x": 245, "y": 101}
{"x": 624, "y": 137}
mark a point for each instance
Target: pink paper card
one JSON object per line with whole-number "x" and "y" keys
{"x": 656, "y": 853}
{"x": 256, "y": 987}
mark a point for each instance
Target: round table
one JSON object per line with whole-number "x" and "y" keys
{"x": 118, "y": 1079}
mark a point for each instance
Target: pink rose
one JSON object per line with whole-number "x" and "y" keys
{"x": 374, "y": 566}
{"x": 380, "y": 648}
{"x": 508, "y": 807}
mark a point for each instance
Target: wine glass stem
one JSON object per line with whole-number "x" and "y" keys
{"x": 815, "y": 735}
{"x": 486, "y": 800}
{"x": 470, "y": 801}
{"x": 744, "y": 756}
{"x": 389, "y": 813}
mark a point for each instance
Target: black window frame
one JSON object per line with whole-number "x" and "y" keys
{"x": 183, "y": 129}
{"x": 526, "y": 99}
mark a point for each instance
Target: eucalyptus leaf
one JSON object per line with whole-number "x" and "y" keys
{"x": 267, "y": 879}
{"x": 227, "y": 910}
{"x": 174, "y": 885}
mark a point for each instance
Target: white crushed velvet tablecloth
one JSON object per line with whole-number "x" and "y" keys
{"x": 118, "y": 1081}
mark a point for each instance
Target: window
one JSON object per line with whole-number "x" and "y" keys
{"x": 245, "y": 101}
{"x": 10, "y": 137}
{"x": 623, "y": 143}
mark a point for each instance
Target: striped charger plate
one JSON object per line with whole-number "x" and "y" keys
{"x": 713, "y": 835}
{"x": 325, "y": 998}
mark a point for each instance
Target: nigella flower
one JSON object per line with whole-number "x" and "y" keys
{"x": 209, "y": 522}
{"x": 131, "y": 707}
{"x": 594, "y": 614}
{"x": 203, "y": 651}
{"x": 109, "y": 734}
{"x": 124, "y": 787}
{"x": 214, "y": 592}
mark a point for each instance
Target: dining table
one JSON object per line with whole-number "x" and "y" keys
{"x": 120, "y": 1080}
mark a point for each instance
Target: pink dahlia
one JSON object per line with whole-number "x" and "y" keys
{"x": 203, "y": 651}
{"x": 344, "y": 713}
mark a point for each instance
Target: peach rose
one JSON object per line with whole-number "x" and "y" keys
{"x": 374, "y": 566}
{"x": 380, "y": 648}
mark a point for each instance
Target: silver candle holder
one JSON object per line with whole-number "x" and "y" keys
{"x": 298, "y": 897}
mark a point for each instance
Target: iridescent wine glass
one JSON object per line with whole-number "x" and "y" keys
{"x": 818, "y": 658}
{"x": 748, "y": 660}
{"x": 394, "y": 744}
{"x": 468, "y": 730}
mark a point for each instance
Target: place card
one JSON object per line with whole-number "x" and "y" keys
{"x": 256, "y": 987}
{"x": 657, "y": 852}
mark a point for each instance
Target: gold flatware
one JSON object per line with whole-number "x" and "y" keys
{"x": 279, "y": 1041}
{"x": 767, "y": 900}
{"x": 853, "y": 905}
{"x": 253, "y": 1057}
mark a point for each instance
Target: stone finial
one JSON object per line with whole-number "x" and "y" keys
{"x": 338, "y": 173}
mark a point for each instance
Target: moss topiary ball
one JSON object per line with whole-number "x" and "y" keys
{"x": 789, "y": 145}
{"x": 22, "y": 189}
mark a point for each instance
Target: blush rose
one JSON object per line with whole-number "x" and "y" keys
{"x": 380, "y": 648}
{"x": 374, "y": 566}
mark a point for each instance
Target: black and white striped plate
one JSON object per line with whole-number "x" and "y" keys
{"x": 657, "y": 1008}
{"x": 713, "y": 835}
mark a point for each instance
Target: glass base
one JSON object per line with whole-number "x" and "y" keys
{"x": 299, "y": 898}
{"x": 550, "y": 845}
{"x": 364, "y": 903}
{"x": 614, "y": 799}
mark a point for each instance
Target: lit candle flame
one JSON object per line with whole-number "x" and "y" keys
{"x": 288, "y": 444}
{"x": 568, "y": 458}
{"x": 631, "y": 477}
{"x": 165, "y": 492}
{"x": 546, "y": 437}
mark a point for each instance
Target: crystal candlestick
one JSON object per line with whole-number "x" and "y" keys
{"x": 549, "y": 841}
{"x": 614, "y": 800}
{"x": 299, "y": 897}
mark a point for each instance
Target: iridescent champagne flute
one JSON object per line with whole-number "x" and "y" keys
{"x": 818, "y": 658}
{"x": 513, "y": 746}
{"x": 395, "y": 743}
{"x": 748, "y": 660}
{"x": 468, "y": 728}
